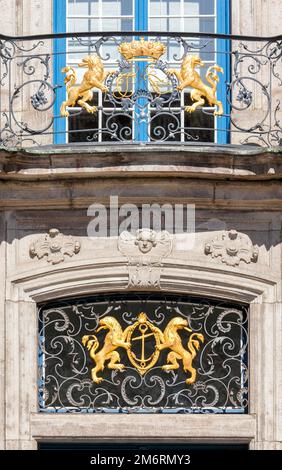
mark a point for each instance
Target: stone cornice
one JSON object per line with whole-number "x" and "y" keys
{"x": 141, "y": 161}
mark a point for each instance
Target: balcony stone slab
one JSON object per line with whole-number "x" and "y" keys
{"x": 123, "y": 160}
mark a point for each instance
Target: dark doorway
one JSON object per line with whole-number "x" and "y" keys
{"x": 87, "y": 446}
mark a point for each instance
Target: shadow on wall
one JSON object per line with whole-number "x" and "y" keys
{"x": 259, "y": 229}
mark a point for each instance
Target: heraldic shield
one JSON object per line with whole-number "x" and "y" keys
{"x": 143, "y": 342}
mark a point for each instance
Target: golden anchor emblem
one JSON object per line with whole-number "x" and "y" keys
{"x": 142, "y": 325}
{"x": 143, "y": 342}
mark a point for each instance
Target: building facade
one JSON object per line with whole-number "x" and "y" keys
{"x": 215, "y": 286}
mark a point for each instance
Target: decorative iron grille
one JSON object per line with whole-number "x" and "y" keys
{"x": 218, "y": 333}
{"x": 167, "y": 88}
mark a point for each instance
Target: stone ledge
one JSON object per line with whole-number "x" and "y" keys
{"x": 130, "y": 426}
{"x": 105, "y": 161}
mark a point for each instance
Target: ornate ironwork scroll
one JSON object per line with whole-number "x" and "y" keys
{"x": 102, "y": 354}
{"x": 160, "y": 85}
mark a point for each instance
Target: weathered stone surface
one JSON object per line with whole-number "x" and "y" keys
{"x": 138, "y": 426}
{"x": 191, "y": 161}
{"x": 2, "y": 326}
{"x": 232, "y": 187}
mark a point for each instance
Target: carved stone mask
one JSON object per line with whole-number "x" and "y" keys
{"x": 146, "y": 240}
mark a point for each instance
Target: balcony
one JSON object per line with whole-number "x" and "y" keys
{"x": 92, "y": 89}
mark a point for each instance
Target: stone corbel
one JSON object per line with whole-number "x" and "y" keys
{"x": 145, "y": 251}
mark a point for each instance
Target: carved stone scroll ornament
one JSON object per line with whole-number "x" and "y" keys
{"x": 232, "y": 247}
{"x": 145, "y": 251}
{"x": 55, "y": 246}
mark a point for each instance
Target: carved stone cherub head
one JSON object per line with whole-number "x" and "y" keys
{"x": 145, "y": 239}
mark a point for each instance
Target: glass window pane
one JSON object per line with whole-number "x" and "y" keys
{"x": 111, "y": 24}
{"x": 207, "y": 25}
{"x": 199, "y": 7}
{"x": 198, "y": 125}
{"x": 207, "y": 49}
{"x": 82, "y": 125}
{"x": 109, "y": 49}
{"x": 126, "y": 7}
{"x": 174, "y": 24}
{"x": 94, "y": 24}
{"x": 111, "y": 8}
{"x": 173, "y": 7}
{"x": 75, "y": 53}
{"x": 126, "y": 25}
{"x": 191, "y": 25}
{"x": 114, "y": 24}
{"x": 78, "y": 25}
{"x": 191, "y": 8}
{"x": 81, "y": 7}
{"x": 158, "y": 24}
{"x": 156, "y": 8}
{"x": 94, "y": 7}
{"x": 117, "y": 7}
{"x": 204, "y": 25}
{"x": 164, "y": 7}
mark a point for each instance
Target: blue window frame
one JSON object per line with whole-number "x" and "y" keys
{"x": 147, "y": 14}
{"x": 60, "y": 57}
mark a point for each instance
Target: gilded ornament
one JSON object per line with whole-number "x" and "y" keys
{"x": 115, "y": 338}
{"x": 93, "y": 78}
{"x": 188, "y": 77}
{"x": 172, "y": 340}
{"x": 144, "y": 329}
{"x": 143, "y": 342}
{"x": 141, "y": 48}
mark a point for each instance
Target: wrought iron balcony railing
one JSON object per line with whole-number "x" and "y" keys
{"x": 140, "y": 87}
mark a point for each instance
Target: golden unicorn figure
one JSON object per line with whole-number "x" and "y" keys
{"x": 93, "y": 78}
{"x": 188, "y": 77}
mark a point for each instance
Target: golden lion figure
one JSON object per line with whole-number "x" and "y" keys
{"x": 114, "y": 339}
{"x": 171, "y": 339}
{"x": 80, "y": 94}
{"x": 188, "y": 77}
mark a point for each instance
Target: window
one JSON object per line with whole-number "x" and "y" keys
{"x": 142, "y": 120}
{"x": 83, "y": 369}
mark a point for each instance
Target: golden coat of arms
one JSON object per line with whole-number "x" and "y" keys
{"x": 143, "y": 354}
{"x": 141, "y": 50}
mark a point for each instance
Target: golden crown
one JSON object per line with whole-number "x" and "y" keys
{"x": 141, "y": 48}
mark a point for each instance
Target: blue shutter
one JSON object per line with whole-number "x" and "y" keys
{"x": 223, "y": 59}
{"x": 60, "y": 59}
{"x": 141, "y": 24}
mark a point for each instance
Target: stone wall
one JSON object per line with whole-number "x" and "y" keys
{"x": 232, "y": 191}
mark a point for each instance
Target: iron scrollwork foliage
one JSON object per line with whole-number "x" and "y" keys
{"x": 26, "y": 75}
{"x": 154, "y": 99}
{"x": 65, "y": 383}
